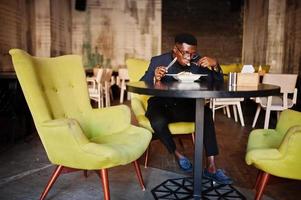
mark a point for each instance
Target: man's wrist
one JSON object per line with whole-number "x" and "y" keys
{"x": 215, "y": 68}
{"x": 155, "y": 79}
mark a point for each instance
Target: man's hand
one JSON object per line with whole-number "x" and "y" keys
{"x": 207, "y": 62}
{"x": 160, "y": 72}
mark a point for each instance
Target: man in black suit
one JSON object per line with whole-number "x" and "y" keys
{"x": 162, "y": 111}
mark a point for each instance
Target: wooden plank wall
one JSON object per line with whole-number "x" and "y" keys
{"x": 40, "y": 27}
{"x": 272, "y": 34}
{"x": 13, "y": 34}
{"x": 292, "y": 35}
{"x": 255, "y": 32}
{"x": 110, "y": 31}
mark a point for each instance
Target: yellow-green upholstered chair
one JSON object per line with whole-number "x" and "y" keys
{"x": 276, "y": 151}
{"x": 74, "y": 134}
{"x": 264, "y": 68}
{"x": 136, "y": 69}
{"x": 227, "y": 68}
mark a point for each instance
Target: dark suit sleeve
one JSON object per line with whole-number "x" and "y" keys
{"x": 150, "y": 73}
{"x": 217, "y": 75}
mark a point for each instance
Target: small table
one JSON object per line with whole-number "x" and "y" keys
{"x": 200, "y": 91}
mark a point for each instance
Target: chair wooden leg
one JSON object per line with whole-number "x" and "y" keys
{"x": 213, "y": 112}
{"x": 228, "y": 111}
{"x": 259, "y": 175}
{"x": 181, "y": 143}
{"x": 256, "y": 115}
{"x": 86, "y": 173}
{"x": 234, "y": 112}
{"x": 146, "y": 156}
{"x": 263, "y": 181}
{"x": 105, "y": 183}
{"x": 121, "y": 92}
{"x": 139, "y": 175}
{"x": 241, "y": 117}
{"x": 224, "y": 110}
{"x": 192, "y": 137}
{"x": 267, "y": 113}
{"x": 50, "y": 183}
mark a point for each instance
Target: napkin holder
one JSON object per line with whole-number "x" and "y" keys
{"x": 247, "y": 79}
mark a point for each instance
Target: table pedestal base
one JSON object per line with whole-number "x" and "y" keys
{"x": 182, "y": 188}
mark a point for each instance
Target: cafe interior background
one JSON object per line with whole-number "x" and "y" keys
{"x": 108, "y": 32}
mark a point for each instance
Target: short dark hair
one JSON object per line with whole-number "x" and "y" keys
{"x": 186, "y": 38}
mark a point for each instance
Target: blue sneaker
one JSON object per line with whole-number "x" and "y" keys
{"x": 185, "y": 164}
{"x": 219, "y": 177}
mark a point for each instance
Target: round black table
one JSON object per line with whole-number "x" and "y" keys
{"x": 200, "y": 91}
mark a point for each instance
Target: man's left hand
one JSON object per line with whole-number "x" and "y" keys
{"x": 207, "y": 62}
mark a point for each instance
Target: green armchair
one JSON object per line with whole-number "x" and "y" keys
{"x": 237, "y": 67}
{"x": 136, "y": 69}
{"x": 74, "y": 134}
{"x": 276, "y": 151}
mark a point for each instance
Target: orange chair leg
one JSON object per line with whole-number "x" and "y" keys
{"x": 105, "y": 183}
{"x": 86, "y": 173}
{"x": 259, "y": 175}
{"x": 263, "y": 181}
{"x": 50, "y": 183}
{"x": 139, "y": 175}
{"x": 192, "y": 137}
{"x": 181, "y": 143}
{"x": 146, "y": 156}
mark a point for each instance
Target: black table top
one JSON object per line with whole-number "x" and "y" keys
{"x": 200, "y": 89}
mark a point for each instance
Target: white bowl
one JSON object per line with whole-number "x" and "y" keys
{"x": 187, "y": 77}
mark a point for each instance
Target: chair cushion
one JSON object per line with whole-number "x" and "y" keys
{"x": 175, "y": 128}
{"x": 264, "y": 138}
{"x": 118, "y": 148}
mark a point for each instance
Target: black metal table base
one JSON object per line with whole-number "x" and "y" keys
{"x": 182, "y": 188}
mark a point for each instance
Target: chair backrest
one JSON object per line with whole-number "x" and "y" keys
{"x": 288, "y": 118}
{"x": 54, "y": 88}
{"x": 108, "y": 75}
{"x": 287, "y": 82}
{"x": 136, "y": 68}
{"x": 123, "y": 74}
{"x": 264, "y": 68}
{"x": 99, "y": 74}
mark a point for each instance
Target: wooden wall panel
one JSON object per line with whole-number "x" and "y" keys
{"x": 216, "y": 24}
{"x": 61, "y": 23}
{"x": 108, "y": 32}
{"x": 255, "y": 32}
{"x": 43, "y": 31}
{"x": 292, "y": 59}
{"x": 275, "y": 37}
{"x": 272, "y": 34}
{"x": 13, "y": 34}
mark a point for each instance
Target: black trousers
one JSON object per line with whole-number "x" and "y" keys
{"x": 162, "y": 111}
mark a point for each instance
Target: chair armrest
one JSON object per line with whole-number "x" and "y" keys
{"x": 137, "y": 106}
{"x": 107, "y": 120}
{"x": 291, "y": 143}
{"x": 254, "y": 156}
{"x": 62, "y": 139}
